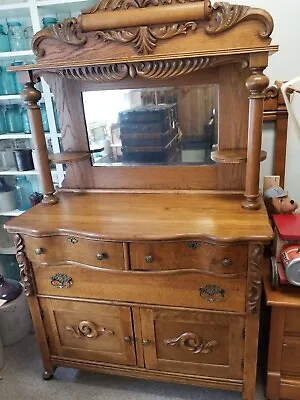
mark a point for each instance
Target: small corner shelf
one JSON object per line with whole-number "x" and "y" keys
{"x": 7, "y": 250}
{"x": 233, "y": 156}
{"x": 69, "y": 157}
{"x": 12, "y": 213}
{"x": 14, "y": 54}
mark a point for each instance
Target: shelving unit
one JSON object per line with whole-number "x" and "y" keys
{"x": 32, "y": 11}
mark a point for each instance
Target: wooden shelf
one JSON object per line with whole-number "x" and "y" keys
{"x": 233, "y": 156}
{"x": 69, "y": 157}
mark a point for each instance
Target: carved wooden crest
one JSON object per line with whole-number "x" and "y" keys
{"x": 143, "y": 23}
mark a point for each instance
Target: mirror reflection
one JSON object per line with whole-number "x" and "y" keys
{"x": 171, "y": 125}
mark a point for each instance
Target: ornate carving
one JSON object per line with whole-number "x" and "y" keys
{"x": 144, "y": 38}
{"x": 67, "y": 31}
{"x": 25, "y": 266}
{"x": 112, "y": 5}
{"x": 271, "y": 92}
{"x": 149, "y": 69}
{"x": 61, "y": 281}
{"x": 88, "y": 330}
{"x": 225, "y": 16}
{"x": 254, "y": 291}
{"x": 212, "y": 293}
{"x": 191, "y": 342}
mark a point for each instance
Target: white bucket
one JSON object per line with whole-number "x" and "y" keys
{"x": 15, "y": 320}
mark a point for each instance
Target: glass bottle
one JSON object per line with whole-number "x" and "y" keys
{"x": 25, "y": 120}
{"x": 7, "y": 82}
{"x": 29, "y": 35}
{"x": 4, "y": 42}
{"x": 48, "y": 22}
{"x": 3, "y": 128}
{"x": 13, "y": 119}
{"x": 19, "y": 86}
{"x": 16, "y": 36}
{"x": 23, "y": 192}
{"x": 56, "y": 117}
{"x": 44, "y": 117}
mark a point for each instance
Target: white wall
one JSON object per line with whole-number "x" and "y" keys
{"x": 284, "y": 65}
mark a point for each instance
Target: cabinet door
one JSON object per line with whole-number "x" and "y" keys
{"x": 88, "y": 331}
{"x": 193, "y": 342}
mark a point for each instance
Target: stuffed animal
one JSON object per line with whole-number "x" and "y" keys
{"x": 278, "y": 202}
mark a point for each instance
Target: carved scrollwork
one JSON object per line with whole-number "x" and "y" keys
{"x": 88, "y": 330}
{"x": 271, "y": 92}
{"x": 148, "y": 70}
{"x": 144, "y": 38}
{"x": 191, "y": 342}
{"x": 225, "y": 16}
{"x": 25, "y": 266}
{"x": 254, "y": 291}
{"x": 67, "y": 31}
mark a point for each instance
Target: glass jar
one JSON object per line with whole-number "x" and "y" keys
{"x": 4, "y": 42}
{"x": 7, "y": 82}
{"x": 13, "y": 119}
{"x": 23, "y": 192}
{"x": 19, "y": 86}
{"x": 49, "y": 21}
{"x": 3, "y": 128}
{"x": 44, "y": 117}
{"x": 29, "y": 35}
{"x": 16, "y": 36}
{"x": 56, "y": 117}
{"x": 25, "y": 120}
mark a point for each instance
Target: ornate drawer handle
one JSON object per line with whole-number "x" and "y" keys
{"x": 191, "y": 342}
{"x": 194, "y": 245}
{"x": 72, "y": 239}
{"x": 149, "y": 259}
{"x": 38, "y": 251}
{"x": 226, "y": 262}
{"x": 212, "y": 293}
{"x": 88, "y": 330}
{"x": 146, "y": 342}
{"x": 61, "y": 281}
{"x": 101, "y": 256}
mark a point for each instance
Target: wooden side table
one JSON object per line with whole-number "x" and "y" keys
{"x": 283, "y": 381}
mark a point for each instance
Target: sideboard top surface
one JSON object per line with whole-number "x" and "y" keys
{"x": 150, "y": 216}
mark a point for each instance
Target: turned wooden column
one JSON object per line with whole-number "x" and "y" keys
{"x": 256, "y": 84}
{"x": 31, "y": 96}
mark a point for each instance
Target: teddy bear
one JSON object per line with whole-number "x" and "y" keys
{"x": 278, "y": 202}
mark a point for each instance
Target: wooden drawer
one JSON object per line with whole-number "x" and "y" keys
{"x": 292, "y": 325}
{"x": 87, "y": 331}
{"x": 181, "y": 288}
{"x": 193, "y": 342}
{"x": 55, "y": 249}
{"x": 230, "y": 259}
{"x": 290, "y": 362}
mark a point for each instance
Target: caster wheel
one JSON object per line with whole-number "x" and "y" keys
{"x": 47, "y": 376}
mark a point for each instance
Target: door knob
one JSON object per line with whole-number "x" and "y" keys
{"x": 146, "y": 342}
{"x": 149, "y": 259}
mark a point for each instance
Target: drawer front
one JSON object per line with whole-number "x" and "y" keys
{"x": 209, "y": 344}
{"x": 182, "y": 288}
{"x": 292, "y": 325}
{"x": 54, "y": 249}
{"x": 153, "y": 256}
{"x": 290, "y": 362}
{"x": 94, "y": 332}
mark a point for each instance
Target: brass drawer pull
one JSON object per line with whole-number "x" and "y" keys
{"x": 149, "y": 259}
{"x": 212, "y": 293}
{"x": 146, "y": 342}
{"x": 194, "y": 245}
{"x": 226, "y": 262}
{"x": 101, "y": 256}
{"x": 128, "y": 339}
{"x": 38, "y": 251}
{"x": 61, "y": 281}
{"x": 72, "y": 239}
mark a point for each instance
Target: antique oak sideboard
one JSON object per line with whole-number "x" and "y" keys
{"x": 146, "y": 262}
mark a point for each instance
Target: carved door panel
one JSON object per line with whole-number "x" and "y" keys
{"x": 193, "y": 342}
{"x": 88, "y": 331}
